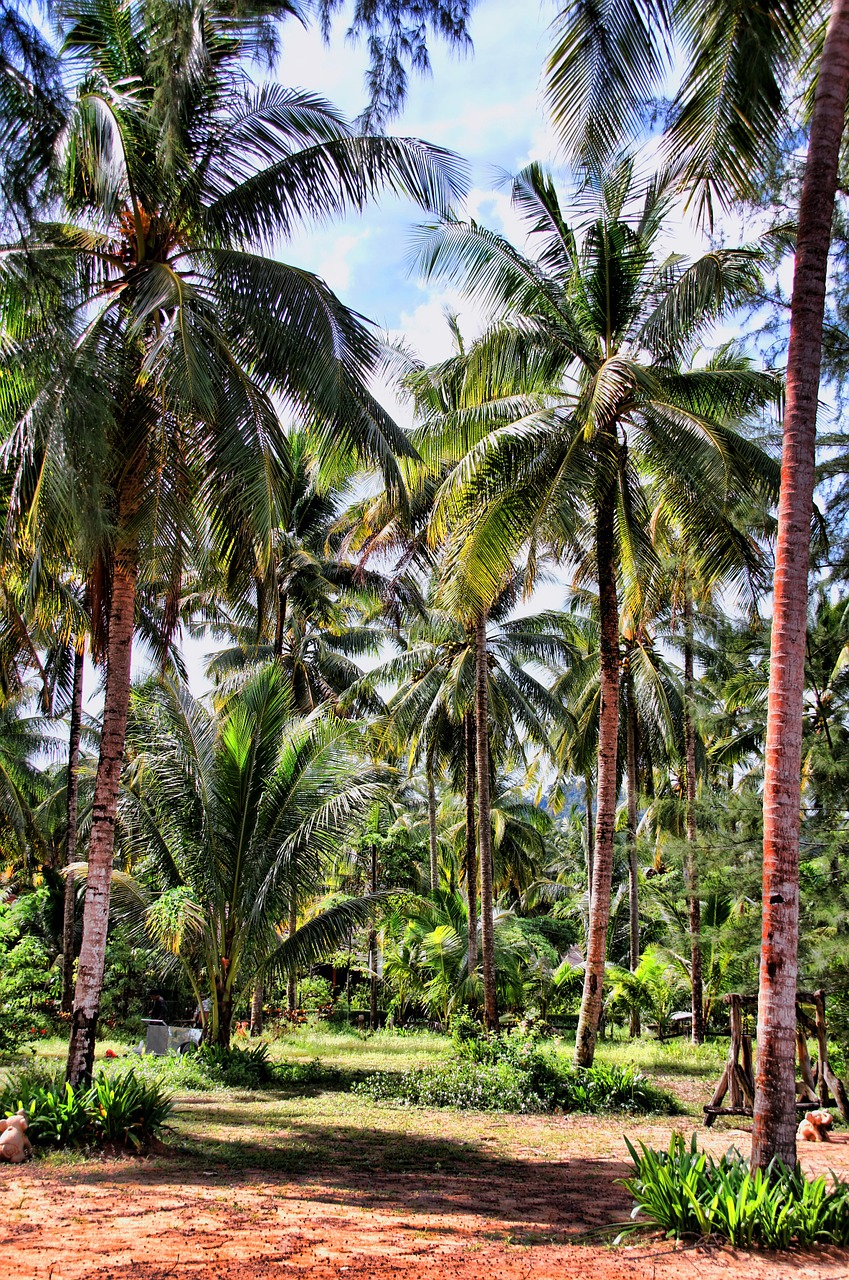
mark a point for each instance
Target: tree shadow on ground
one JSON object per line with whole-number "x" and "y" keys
{"x": 331, "y": 1164}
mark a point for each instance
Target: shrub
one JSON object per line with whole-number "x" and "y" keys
{"x": 684, "y": 1192}
{"x": 127, "y": 1111}
{"x": 118, "y": 1110}
{"x": 214, "y": 1067}
{"x": 19, "y": 1026}
{"x": 248, "y": 1068}
{"x": 512, "y": 1073}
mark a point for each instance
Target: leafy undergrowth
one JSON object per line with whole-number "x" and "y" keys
{"x": 513, "y": 1073}
{"x": 120, "y": 1111}
{"x": 686, "y": 1193}
{"x": 214, "y": 1067}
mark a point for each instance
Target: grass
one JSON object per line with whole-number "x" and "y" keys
{"x": 687, "y": 1069}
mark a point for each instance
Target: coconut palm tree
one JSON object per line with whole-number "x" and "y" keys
{"x": 434, "y": 707}
{"x": 581, "y": 383}
{"x": 227, "y": 816}
{"x": 161, "y": 335}
{"x": 737, "y": 102}
{"x": 649, "y": 713}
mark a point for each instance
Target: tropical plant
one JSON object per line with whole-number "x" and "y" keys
{"x": 229, "y": 816}
{"x": 738, "y": 99}
{"x": 580, "y": 391}
{"x": 686, "y": 1193}
{"x": 148, "y": 369}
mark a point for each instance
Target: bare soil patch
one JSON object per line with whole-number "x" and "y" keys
{"x": 326, "y": 1187}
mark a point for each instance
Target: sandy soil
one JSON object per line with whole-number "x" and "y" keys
{"x": 512, "y": 1210}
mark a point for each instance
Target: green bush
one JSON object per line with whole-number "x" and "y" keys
{"x": 684, "y": 1192}
{"x": 248, "y": 1068}
{"x": 118, "y": 1110}
{"x": 127, "y": 1111}
{"x": 512, "y": 1073}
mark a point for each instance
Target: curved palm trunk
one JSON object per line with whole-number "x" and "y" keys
{"x": 490, "y": 1000}
{"x": 471, "y": 853}
{"x": 774, "y": 1129}
{"x": 74, "y": 735}
{"x": 431, "y": 824}
{"x": 102, "y": 840}
{"x": 694, "y": 906}
{"x": 606, "y": 792}
{"x": 633, "y": 885}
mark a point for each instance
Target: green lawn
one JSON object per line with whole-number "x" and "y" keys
{"x": 314, "y": 1126}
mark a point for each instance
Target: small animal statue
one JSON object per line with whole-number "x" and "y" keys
{"x": 814, "y": 1127}
{"x": 15, "y": 1146}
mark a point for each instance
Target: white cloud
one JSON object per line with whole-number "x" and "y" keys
{"x": 336, "y": 264}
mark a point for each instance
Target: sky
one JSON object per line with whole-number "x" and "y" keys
{"x": 486, "y": 107}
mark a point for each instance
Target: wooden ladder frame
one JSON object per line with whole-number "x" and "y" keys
{"x": 817, "y": 1084}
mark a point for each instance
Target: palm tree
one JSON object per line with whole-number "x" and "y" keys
{"x": 580, "y": 383}
{"x": 161, "y": 337}
{"x": 649, "y": 713}
{"x": 228, "y": 817}
{"x": 728, "y": 118}
{"x": 434, "y": 711}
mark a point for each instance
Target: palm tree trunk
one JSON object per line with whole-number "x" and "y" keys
{"x": 490, "y": 999}
{"x": 606, "y": 792}
{"x": 292, "y": 976}
{"x": 590, "y": 818}
{"x": 116, "y": 703}
{"x": 774, "y": 1128}
{"x": 471, "y": 852}
{"x": 431, "y": 823}
{"x": 256, "y": 1008}
{"x": 74, "y": 735}
{"x": 633, "y": 886}
{"x": 225, "y": 1019}
{"x": 372, "y": 948}
{"x": 694, "y": 906}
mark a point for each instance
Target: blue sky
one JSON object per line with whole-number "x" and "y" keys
{"x": 485, "y": 106}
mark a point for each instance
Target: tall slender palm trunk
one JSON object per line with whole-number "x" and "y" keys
{"x": 372, "y": 948}
{"x": 470, "y": 856}
{"x": 116, "y": 703}
{"x": 607, "y": 784}
{"x": 74, "y": 736}
{"x": 589, "y": 812}
{"x": 292, "y": 975}
{"x": 691, "y": 870}
{"x": 774, "y": 1128}
{"x": 633, "y": 884}
{"x": 431, "y": 825}
{"x": 256, "y": 1007}
{"x": 490, "y": 999}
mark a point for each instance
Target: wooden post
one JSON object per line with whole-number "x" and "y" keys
{"x": 826, "y": 1079}
{"x": 805, "y": 1069}
{"x": 734, "y": 1053}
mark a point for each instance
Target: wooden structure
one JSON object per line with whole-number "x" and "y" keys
{"x": 818, "y": 1086}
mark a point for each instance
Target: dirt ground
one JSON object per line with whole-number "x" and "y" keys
{"x": 476, "y": 1198}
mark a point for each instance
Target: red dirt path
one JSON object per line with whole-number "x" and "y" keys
{"x": 511, "y": 1219}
